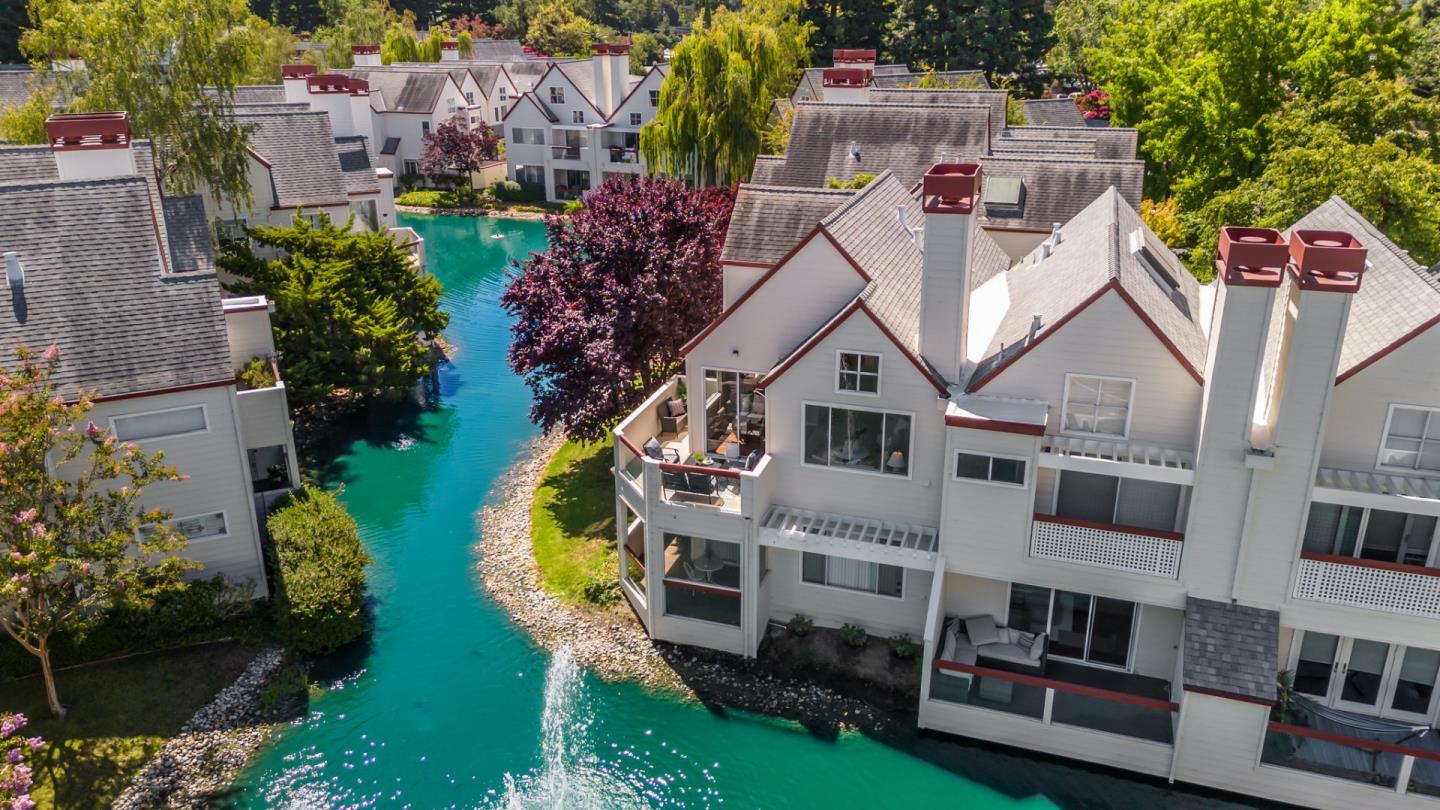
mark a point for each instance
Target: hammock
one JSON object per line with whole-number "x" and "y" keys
{"x": 1359, "y": 722}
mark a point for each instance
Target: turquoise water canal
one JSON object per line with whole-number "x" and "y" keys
{"x": 449, "y": 705}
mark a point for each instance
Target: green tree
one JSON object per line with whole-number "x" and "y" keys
{"x": 715, "y": 102}
{"x": 514, "y": 17}
{"x": 1079, "y": 27}
{"x": 428, "y": 50}
{"x": 319, "y": 564}
{"x": 155, "y": 59}
{"x": 860, "y": 180}
{"x": 1005, "y": 38}
{"x": 352, "y": 310}
{"x": 1423, "y": 69}
{"x": 645, "y": 50}
{"x": 846, "y": 24}
{"x": 556, "y": 30}
{"x": 1340, "y": 38}
{"x": 355, "y": 22}
{"x": 71, "y": 541}
{"x": 399, "y": 45}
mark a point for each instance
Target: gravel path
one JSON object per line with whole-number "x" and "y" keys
{"x": 207, "y": 755}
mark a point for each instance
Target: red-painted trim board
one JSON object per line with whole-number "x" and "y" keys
{"x": 1060, "y": 686}
{"x": 1417, "y": 570}
{"x": 976, "y": 423}
{"x": 1110, "y": 527}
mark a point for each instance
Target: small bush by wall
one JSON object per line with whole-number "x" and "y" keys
{"x": 319, "y": 569}
{"x": 427, "y": 199}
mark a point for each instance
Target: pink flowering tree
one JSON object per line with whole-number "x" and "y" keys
{"x": 74, "y": 537}
{"x": 15, "y": 771}
{"x": 1094, "y": 105}
{"x": 454, "y": 148}
{"x": 602, "y": 313}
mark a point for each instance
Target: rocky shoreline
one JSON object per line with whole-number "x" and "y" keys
{"x": 215, "y": 745}
{"x": 615, "y": 647}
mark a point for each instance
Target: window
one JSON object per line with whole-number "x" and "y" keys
{"x": 634, "y": 119}
{"x": 858, "y": 372}
{"x": 501, "y": 93}
{"x": 1412, "y": 439}
{"x": 856, "y": 439}
{"x": 557, "y": 95}
{"x": 985, "y": 467}
{"x": 199, "y": 527}
{"x": 1371, "y": 677}
{"x": 1118, "y": 501}
{"x": 1081, "y": 627}
{"x": 702, "y": 579}
{"x": 470, "y": 96}
{"x": 412, "y": 167}
{"x": 853, "y": 575}
{"x": 137, "y": 427}
{"x": 654, "y": 98}
{"x": 522, "y": 135}
{"x": 1098, "y": 405}
{"x": 1370, "y": 534}
{"x": 734, "y": 413}
{"x": 498, "y": 114}
{"x": 424, "y": 128}
{"x": 577, "y": 116}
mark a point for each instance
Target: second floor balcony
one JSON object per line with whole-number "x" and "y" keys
{"x": 623, "y": 155}
{"x": 568, "y": 153}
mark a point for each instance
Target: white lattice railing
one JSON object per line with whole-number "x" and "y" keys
{"x": 1121, "y": 548}
{"x": 1410, "y": 590}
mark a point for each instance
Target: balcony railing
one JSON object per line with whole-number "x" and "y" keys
{"x": 1102, "y": 545}
{"x": 567, "y": 152}
{"x": 1390, "y": 587}
{"x": 623, "y": 154}
{"x": 1405, "y": 768}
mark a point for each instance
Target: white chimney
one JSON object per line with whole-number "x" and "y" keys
{"x": 14, "y": 271}
{"x": 91, "y": 145}
{"x": 366, "y": 55}
{"x": 450, "y": 51}
{"x": 862, "y": 58}
{"x": 611, "y": 66}
{"x": 846, "y": 85}
{"x": 361, "y": 120}
{"x": 293, "y": 77}
{"x": 949, "y": 194}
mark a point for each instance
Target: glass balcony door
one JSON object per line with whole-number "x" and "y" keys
{"x": 734, "y": 413}
{"x": 1082, "y": 627}
{"x": 1366, "y": 676}
{"x": 1371, "y": 534}
{"x": 1117, "y": 501}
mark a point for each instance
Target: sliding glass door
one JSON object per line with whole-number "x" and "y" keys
{"x": 734, "y": 413}
{"x": 1082, "y": 627}
{"x": 1370, "y": 534}
{"x": 1366, "y": 676}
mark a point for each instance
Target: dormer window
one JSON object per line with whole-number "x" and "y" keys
{"x": 1412, "y": 439}
{"x": 857, "y": 373}
{"x": 557, "y": 95}
{"x": 1098, "y": 406}
{"x": 1004, "y": 196}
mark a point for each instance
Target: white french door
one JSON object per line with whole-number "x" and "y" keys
{"x": 1367, "y": 677}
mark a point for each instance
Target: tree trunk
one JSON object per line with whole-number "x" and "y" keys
{"x": 52, "y": 695}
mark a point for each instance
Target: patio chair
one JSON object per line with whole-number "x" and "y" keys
{"x": 653, "y": 449}
{"x": 751, "y": 461}
{"x": 673, "y": 418}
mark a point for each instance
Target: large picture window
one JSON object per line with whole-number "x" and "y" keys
{"x": 137, "y": 427}
{"x": 1082, "y": 627}
{"x": 853, "y": 575}
{"x": 1412, "y": 439}
{"x": 1098, "y": 406}
{"x": 856, "y": 439}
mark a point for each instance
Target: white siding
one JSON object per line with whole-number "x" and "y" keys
{"x": 832, "y": 607}
{"x": 1357, "y": 413}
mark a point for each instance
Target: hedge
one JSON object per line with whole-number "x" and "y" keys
{"x": 319, "y": 568}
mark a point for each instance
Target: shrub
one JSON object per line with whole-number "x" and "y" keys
{"x": 853, "y": 636}
{"x": 799, "y": 625}
{"x": 291, "y": 683}
{"x": 319, "y": 570}
{"x": 427, "y": 198}
{"x": 901, "y": 646}
{"x": 601, "y": 590}
{"x": 512, "y": 191}
{"x": 256, "y": 373}
{"x": 573, "y": 207}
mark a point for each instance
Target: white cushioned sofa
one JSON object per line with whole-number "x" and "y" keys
{"x": 977, "y": 641}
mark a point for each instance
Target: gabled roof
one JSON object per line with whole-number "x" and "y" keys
{"x": 906, "y": 139}
{"x": 1398, "y": 297}
{"x": 767, "y": 221}
{"x": 1052, "y": 112}
{"x": 1056, "y": 187}
{"x": 456, "y": 70}
{"x": 996, "y": 100}
{"x": 15, "y": 84}
{"x": 122, "y": 324}
{"x": 188, "y": 235}
{"x": 529, "y": 95}
{"x": 1076, "y": 147}
{"x": 403, "y": 91}
{"x": 582, "y": 77}
{"x": 490, "y": 49}
{"x": 1094, "y": 257}
{"x": 259, "y": 94}
{"x": 1111, "y": 143}
{"x": 299, "y": 149}
{"x": 356, "y": 170}
{"x": 967, "y": 79}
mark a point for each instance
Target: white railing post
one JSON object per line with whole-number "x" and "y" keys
{"x": 1049, "y": 705}
{"x": 1402, "y": 780}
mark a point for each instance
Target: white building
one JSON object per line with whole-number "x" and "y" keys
{"x": 1112, "y": 542}
{"x": 122, "y": 279}
{"x": 580, "y": 123}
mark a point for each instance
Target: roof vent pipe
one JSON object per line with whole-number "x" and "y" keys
{"x": 1055, "y": 233}
{"x": 854, "y": 151}
{"x": 14, "y": 271}
{"x": 1035, "y": 320}
{"x": 914, "y": 233}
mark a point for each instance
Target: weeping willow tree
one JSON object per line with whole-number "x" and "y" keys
{"x": 715, "y": 101}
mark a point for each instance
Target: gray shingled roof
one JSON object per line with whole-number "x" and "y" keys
{"x": 188, "y": 235}
{"x": 14, "y": 84}
{"x": 1042, "y": 146}
{"x": 259, "y": 94}
{"x": 493, "y": 49}
{"x": 966, "y": 79}
{"x": 403, "y": 91}
{"x": 301, "y": 151}
{"x": 1231, "y": 649}
{"x": 356, "y": 169}
{"x": 1111, "y": 143}
{"x": 122, "y": 327}
{"x": 907, "y": 139}
{"x": 766, "y": 169}
{"x": 582, "y": 75}
{"x": 1094, "y": 250}
{"x": 1396, "y": 295}
{"x": 768, "y": 221}
{"x": 1052, "y": 112}
{"x": 996, "y": 100}
{"x": 1058, "y": 188}
{"x": 23, "y": 163}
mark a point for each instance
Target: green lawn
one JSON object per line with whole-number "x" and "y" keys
{"x": 119, "y": 714}
{"x": 573, "y": 519}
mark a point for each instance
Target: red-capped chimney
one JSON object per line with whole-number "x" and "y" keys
{"x": 91, "y": 145}
{"x": 1251, "y": 257}
{"x": 1327, "y": 261}
{"x": 951, "y": 188}
{"x": 298, "y": 71}
{"x": 947, "y": 189}
{"x": 366, "y": 55}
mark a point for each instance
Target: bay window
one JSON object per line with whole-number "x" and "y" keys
{"x": 853, "y": 575}
{"x": 1098, "y": 406}
{"x": 1081, "y": 627}
{"x": 857, "y": 439}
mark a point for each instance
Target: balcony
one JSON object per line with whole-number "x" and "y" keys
{"x": 413, "y": 243}
{"x": 568, "y": 153}
{"x": 1394, "y": 758}
{"x": 629, "y": 156}
{"x": 1124, "y": 459}
{"x": 264, "y": 411}
{"x": 1410, "y": 590}
{"x": 1119, "y": 548}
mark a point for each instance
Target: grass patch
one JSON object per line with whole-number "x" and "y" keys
{"x": 120, "y": 713}
{"x": 573, "y": 523}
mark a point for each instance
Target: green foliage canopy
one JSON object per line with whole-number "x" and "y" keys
{"x": 319, "y": 565}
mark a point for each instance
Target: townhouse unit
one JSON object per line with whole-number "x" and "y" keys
{"x": 1186, "y": 530}
{"x": 813, "y": 86}
{"x": 122, "y": 278}
{"x": 580, "y": 123}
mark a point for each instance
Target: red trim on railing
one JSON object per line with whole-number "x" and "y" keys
{"x": 1061, "y": 686}
{"x": 1110, "y": 527}
{"x": 718, "y": 472}
{"x": 1418, "y": 570}
{"x": 686, "y": 585}
{"x": 1354, "y": 742}
{"x": 636, "y": 558}
{"x": 1000, "y": 425}
{"x": 629, "y": 445}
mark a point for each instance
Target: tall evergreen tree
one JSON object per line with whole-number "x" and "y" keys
{"x": 846, "y": 24}
{"x": 1005, "y": 38}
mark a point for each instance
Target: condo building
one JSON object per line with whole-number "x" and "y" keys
{"x": 1183, "y": 529}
